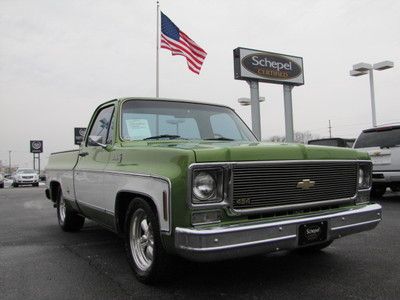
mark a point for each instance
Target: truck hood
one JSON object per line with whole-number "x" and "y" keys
{"x": 206, "y": 151}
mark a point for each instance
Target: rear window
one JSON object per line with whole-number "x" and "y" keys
{"x": 380, "y": 137}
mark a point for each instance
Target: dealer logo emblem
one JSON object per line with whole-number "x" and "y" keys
{"x": 305, "y": 184}
{"x": 36, "y": 145}
{"x": 82, "y": 132}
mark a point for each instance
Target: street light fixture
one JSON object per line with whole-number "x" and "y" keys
{"x": 246, "y": 101}
{"x": 364, "y": 68}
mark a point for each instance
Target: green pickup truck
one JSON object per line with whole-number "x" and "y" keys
{"x": 190, "y": 179}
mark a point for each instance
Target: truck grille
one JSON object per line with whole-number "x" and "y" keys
{"x": 275, "y": 184}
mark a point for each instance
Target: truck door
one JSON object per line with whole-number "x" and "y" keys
{"x": 94, "y": 155}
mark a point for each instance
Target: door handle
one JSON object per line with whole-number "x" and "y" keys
{"x": 82, "y": 154}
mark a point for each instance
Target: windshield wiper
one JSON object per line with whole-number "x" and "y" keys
{"x": 164, "y": 136}
{"x": 222, "y": 138}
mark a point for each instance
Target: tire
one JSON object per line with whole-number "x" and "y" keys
{"x": 315, "y": 248}
{"x": 378, "y": 191}
{"x": 144, "y": 249}
{"x": 68, "y": 219}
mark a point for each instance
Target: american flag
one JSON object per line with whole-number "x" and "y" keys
{"x": 179, "y": 43}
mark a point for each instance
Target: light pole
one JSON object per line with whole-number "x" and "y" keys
{"x": 364, "y": 68}
{"x": 9, "y": 162}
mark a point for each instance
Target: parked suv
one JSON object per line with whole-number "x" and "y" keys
{"x": 383, "y": 145}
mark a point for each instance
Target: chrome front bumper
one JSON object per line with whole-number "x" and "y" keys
{"x": 242, "y": 240}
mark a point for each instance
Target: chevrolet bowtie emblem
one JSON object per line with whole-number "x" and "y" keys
{"x": 305, "y": 184}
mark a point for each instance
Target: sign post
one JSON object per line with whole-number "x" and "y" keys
{"x": 255, "y": 108}
{"x": 260, "y": 66}
{"x": 36, "y": 148}
{"x": 287, "y": 100}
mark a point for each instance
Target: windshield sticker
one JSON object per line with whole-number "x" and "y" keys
{"x": 138, "y": 129}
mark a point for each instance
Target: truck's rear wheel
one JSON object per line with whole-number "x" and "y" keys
{"x": 68, "y": 219}
{"x": 144, "y": 248}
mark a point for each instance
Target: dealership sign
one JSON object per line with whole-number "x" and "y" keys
{"x": 36, "y": 146}
{"x": 269, "y": 67}
{"x": 79, "y": 135}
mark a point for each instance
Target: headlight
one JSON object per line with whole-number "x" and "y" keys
{"x": 207, "y": 186}
{"x": 204, "y": 186}
{"x": 364, "y": 176}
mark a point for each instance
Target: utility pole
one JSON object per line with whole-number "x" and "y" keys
{"x": 330, "y": 129}
{"x": 9, "y": 162}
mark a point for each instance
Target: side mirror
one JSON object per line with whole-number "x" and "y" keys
{"x": 95, "y": 140}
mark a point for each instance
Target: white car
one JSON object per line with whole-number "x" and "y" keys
{"x": 383, "y": 145}
{"x": 25, "y": 176}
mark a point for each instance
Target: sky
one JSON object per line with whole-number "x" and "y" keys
{"x": 60, "y": 59}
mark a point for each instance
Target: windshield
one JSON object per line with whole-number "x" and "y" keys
{"x": 144, "y": 120}
{"x": 26, "y": 171}
{"x": 379, "y": 137}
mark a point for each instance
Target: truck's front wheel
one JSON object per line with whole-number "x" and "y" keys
{"x": 144, "y": 248}
{"x": 378, "y": 191}
{"x": 68, "y": 219}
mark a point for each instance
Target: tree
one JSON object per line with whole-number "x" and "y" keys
{"x": 277, "y": 139}
{"x": 299, "y": 137}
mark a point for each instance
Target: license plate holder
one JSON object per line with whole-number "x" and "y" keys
{"x": 311, "y": 233}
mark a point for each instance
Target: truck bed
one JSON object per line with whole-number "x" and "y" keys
{"x": 60, "y": 168}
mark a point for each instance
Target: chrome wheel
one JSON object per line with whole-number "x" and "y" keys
{"x": 141, "y": 240}
{"x": 62, "y": 209}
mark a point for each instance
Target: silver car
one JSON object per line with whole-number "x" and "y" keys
{"x": 25, "y": 177}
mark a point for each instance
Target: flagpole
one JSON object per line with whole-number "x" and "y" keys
{"x": 157, "y": 51}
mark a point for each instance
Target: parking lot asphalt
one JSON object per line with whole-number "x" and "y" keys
{"x": 39, "y": 261}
